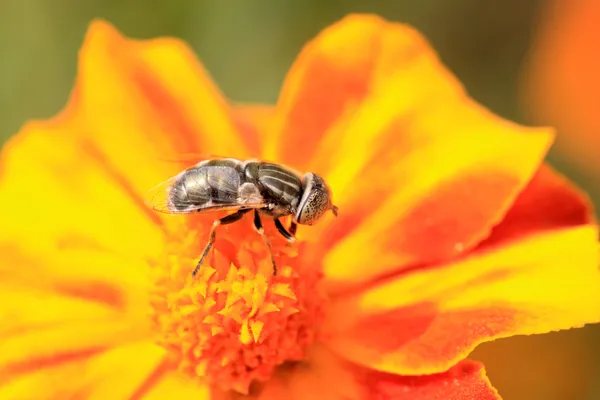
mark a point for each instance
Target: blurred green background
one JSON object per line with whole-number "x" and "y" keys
{"x": 248, "y": 46}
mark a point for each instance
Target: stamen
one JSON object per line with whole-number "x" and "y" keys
{"x": 235, "y": 323}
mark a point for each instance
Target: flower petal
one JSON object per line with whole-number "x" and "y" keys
{"x": 32, "y": 349}
{"x": 134, "y": 105}
{"x": 103, "y": 284}
{"x": 56, "y": 194}
{"x": 60, "y": 305}
{"x": 331, "y": 76}
{"x": 549, "y": 201}
{"x": 536, "y": 284}
{"x": 254, "y": 122}
{"x": 442, "y": 313}
{"x": 114, "y": 374}
{"x": 145, "y": 100}
{"x": 465, "y": 381}
{"x": 42, "y": 383}
{"x": 312, "y": 380}
{"x": 174, "y": 385}
{"x": 120, "y": 372}
{"x": 27, "y": 309}
{"x": 419, "y": 171}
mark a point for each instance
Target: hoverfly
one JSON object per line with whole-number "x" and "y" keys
{"x": 242, "y": 186}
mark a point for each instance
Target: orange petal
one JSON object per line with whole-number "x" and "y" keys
{"x": 114, "y": 374}
{"x": 419, "y": 170}
{"x": 312, "y": 380}
{"x": 142, "y": 101}
{"x": 536, "y": 283}
{"x": 254, "y": 122}
{"x": 89, "y": 171}
{"x": 465, "y": 381}
{"x": 330, "y": 78}
{"x": 549, "y": 201}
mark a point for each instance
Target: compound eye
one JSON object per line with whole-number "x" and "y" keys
{"x": 312, "y": 209}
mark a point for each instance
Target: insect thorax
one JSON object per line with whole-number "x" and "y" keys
{"x": 280, "y": 185}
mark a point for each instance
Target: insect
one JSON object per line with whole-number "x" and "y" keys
{"x": 242, "y": 186}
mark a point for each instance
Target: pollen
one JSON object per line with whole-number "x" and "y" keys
{"x": 235, "y": 322}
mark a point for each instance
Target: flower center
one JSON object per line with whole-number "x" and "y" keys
{"x": 235, "y": 322}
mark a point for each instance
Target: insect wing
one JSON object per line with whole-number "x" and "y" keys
{"x": 160, "y": 198}
{"x": 189, "y": 160}
{"x": 162, "y": 195}
{"x": 225, "y": 180}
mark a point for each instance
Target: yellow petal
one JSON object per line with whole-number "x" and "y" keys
{"x": 40, "y": 345}
{"x": 113, "y": 374}
{"x": 419, "y": 170}
{"x": 426, "y": 321}
{"x": 122, "y": 372}
{"x": 175, "y": 385}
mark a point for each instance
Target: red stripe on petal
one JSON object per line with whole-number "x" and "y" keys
{"x": 122, "y": 181}
{"x": 451, "y": 217}
{"x": 549, "y": 201}
{"x": 183, "y": 95}
{"x": 102, "y": 292}
{"x": 74, "y": 195}
{"x": 426, "y": 321}
{"x": 254, "y": 122}
{"x": 114, "y": 373}
{"x": 465, "y": 381}
{"x": 156, "y": 375}
{"x": 322, "y": 84}
{"x": 415, "y": 320}
{"x": 419, "y": 170}
{"x": 121, "y": 371}
{"x": 35, "y": 364}
{"x": 57, "y": 341}
{"x": 427, "y": 333}
{"x": 172, "y": 115}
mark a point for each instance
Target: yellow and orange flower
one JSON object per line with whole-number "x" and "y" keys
{"x": 452, "y": 232}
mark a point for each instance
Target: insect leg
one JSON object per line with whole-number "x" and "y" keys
{"x": 283, "y": 231}
{"x": 293, "y": 227}
{"x": 211, "y": 238}
{"x": 261, "y": 231}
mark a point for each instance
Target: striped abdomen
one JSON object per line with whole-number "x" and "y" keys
{"x": 208, "y": 183}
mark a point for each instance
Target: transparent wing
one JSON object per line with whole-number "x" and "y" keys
{"x": 161, "y": 199}
{"x": 224, "y": 179}
{"x": 191, "y": 158}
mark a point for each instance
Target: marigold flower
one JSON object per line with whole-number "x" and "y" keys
{"x": 451, "y": 232}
